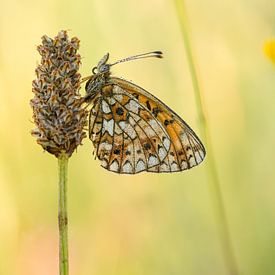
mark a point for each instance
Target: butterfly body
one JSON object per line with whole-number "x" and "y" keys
{"x": 133, "y": 131}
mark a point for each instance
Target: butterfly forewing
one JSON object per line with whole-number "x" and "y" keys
{"x": 133, "y": 131}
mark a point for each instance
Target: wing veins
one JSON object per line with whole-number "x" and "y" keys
{"x": 136, "y": 134}
{"x": 124, "y": 83}
{"x": 90, "y": 131}
{"x": 192, "y": 146}
{"x": 112, "y": 149}
{"x": 147, "y": 167}
{"x": 158, "y": 123}
{"x": 198, "y": 142}
{"x": 123, "y": 146}
{"x": 97, "y": 114}
{"x": 100, "y": 137}
{"x": 122, "y": 150}
{"x": 182, "y": 146}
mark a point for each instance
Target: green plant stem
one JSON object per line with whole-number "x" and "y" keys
{"x": 212, "y": 173}
{"x": 62, "y": 214}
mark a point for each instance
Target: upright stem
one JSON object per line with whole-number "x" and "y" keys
{"x": 212, "y": 173}
{"x": 62, "y": 215}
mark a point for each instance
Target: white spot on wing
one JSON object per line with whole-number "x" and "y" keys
{"x": 127, "y": 168}
{"x": 153, "y": 123}
{"x": 140, "y": 166}
{"x": 184, "y": 165}
{"x": 118, "y": 97}
{"x": 157, "y": 128}
{"x": 117, "y": 89}
{"x": 108, "y": 125}
{"x": 152, "y": 161}
{"x": 133, "y": 106}
{"x": 184, "y": 139}
{"x": 162, "y": 153}
{"x": 122, "y": 124}
{"x": 147, "y": 129}
{"x": 132, "y": 121}
{"x": 129, "y": 130}
{"x": 105, "y": 146}
{"x": 114, "y": 166}
{"x": 104, "y": 163}
{"x": 111, "y": 101}
{"x": 192, "y": 162}
{"x": 166, "y": 143}
{"x": 174, "y": 167}
{"x": 105, "y": 107}
{"x": 135, "y": 117}
{"x": 149, "y": 132}
{"x": 199, "y": 156}
{"x": 164, "y": 168}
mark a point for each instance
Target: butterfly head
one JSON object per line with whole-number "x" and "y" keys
{"x": 102, "y": 66}
{"x": 99, "y": 78}
{"x": 101, "y": 73}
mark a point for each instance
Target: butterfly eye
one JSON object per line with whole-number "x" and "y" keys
{"x": 93, "y": 70}
{"x": 104, "y": 68}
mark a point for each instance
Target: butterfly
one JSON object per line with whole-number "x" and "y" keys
{"x": 133, "y": 131}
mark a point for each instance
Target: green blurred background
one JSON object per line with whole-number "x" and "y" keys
{"x": 148, "y": 223}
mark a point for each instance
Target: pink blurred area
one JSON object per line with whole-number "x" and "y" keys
{"x": 38, "y": 253}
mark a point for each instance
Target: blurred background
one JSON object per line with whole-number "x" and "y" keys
{"x": 148, "y": 223}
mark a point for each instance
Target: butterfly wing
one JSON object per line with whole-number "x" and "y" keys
{"x": 133, "y": 131}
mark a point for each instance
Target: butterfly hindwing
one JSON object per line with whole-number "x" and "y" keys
{"x": 124, "y": 142}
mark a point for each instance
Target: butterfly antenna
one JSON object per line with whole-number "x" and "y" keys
{"x": 157, "y": 54}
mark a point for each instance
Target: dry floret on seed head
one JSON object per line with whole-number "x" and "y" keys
{"x": 57, "y": 105}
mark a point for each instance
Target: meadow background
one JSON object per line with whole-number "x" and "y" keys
{"x": 148, "y": 223}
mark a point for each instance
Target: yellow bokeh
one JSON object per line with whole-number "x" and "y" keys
{"x": 269, "y": 49}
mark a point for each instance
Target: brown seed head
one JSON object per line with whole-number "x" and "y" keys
{"x": 57, "y": 105}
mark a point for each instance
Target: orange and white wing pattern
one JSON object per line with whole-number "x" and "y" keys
{"x": 133, "y": 131}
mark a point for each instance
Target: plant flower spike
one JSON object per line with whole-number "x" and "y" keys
{"x": 59, "y": 116}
